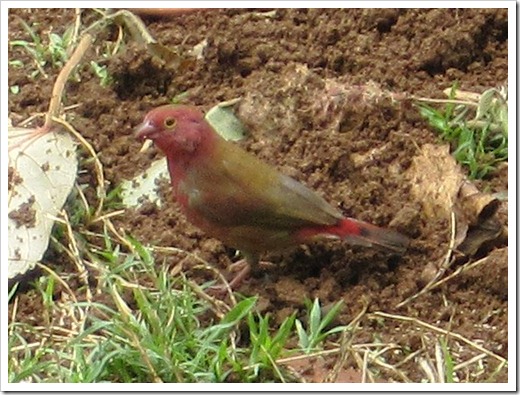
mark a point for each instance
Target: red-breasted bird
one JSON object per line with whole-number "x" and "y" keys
{"x": 242, "y": 201}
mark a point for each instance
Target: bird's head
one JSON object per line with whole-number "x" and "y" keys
{"x": 175, "y": 129}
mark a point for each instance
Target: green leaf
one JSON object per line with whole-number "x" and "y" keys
{"x": 238, "y": 312}
{"x": 332, "y": 313}
{"x": 224, "y": 121}
{"x": 16, "y": 63}
{"x": 314, "y": 318}
{"x": 303, "y": 338}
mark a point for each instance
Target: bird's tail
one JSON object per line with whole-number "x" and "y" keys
{"x": 363, "y": 233}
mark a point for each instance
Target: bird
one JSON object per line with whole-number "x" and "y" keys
{"x": 246, "y": 203}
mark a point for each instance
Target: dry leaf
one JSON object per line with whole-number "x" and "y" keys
{"x": 42, "y": 171}
{"x": 435, "y": 180}
{"x": 438, "y": 183}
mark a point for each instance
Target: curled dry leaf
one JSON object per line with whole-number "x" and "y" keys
{"x": 165, "y": 12}
{"x": 438, "y": 183}
{"x": 435, "y": 180}
{"x": 477, "y": 223}
{"x": 140, "y": 34}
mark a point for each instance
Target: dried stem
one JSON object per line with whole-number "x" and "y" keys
{"x": 444, "y": 332}
{"x": 59, "y": 85}
{"x": 445, "y": 265}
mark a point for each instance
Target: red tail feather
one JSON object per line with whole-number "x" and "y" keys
{"x": 361, "y": 233}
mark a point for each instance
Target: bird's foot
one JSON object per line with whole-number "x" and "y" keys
{"x": 244, "y": 269}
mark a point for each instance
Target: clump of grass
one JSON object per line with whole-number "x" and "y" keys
{"x": 317, "y": 325}
{"x": 475, "y": 125}
{"x": 54, "y": 51}
{"x": 151, "y": 327}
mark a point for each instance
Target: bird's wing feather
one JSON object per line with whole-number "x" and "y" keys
{"x": 245, "y": 190}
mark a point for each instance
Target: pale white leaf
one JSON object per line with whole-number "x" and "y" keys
{"x": 225, "y": 122}
{"x": 144, "y": 185}
{"x": 42, "y": 172}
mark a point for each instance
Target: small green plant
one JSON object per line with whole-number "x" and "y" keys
{"x": 154, "y": 328}
{"x": 113, "y": 200}
{"x": 101, "y": 72}
{"x": 58, "y": 47}
{"x": 266, "y": 348}
{"x": 317, "y": 332}
{"x": 449, "y": 370}
{"x": 478, "y": 142}
{"x": 54, "y": 53}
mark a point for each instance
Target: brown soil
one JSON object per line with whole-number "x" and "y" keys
{"x": 352, "y": 153}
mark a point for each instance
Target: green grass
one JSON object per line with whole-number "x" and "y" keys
{"x": 153, "y": 327}
{"x": 477, "y": 132}
{"x": 101, "y": 72}
{"x": 318, "y": 327}
{"x": 448, "y": 361}
{"x": 53, "y": 51}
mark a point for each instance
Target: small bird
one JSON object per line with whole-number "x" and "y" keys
{"x": 242, "y": 201}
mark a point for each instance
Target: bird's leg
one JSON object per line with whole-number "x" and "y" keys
{"x": 246, "y": 266}
{"x": 249, "y": 264}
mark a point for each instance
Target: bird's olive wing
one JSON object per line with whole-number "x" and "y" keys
{"x": 245, "y": 191}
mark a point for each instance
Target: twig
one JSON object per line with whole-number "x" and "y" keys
{"x": 97, "y": 163}
{"x": 346, "y": 344}
{"x": 409, "y": 357}
{"x": 108, "y": 216}
{"x": 59, "y": 279}
{"x": 166, "y": 12}
{"x": 439, "y": 361}
{"x": 364, "y": 371}
{"x": 77, "y": 25}
{"x": 82, "y": 270}
{"x": 447, "y": 101}
{"x": 59, "y": 85}
{"x": 393, "y": 369}
{"x": 13, "y": 314}
{"x": 427, "y": 369}
{"x": 462, "y": 365}
{"x": 110, "y": 226}
{"x": 461, "y": 269}
{"x": 444, "y": 266}
{"x": 362, "y": 364}
{"x": 445, "y": 332}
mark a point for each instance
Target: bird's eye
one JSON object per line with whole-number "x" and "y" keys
{"x": 170, "y": 122}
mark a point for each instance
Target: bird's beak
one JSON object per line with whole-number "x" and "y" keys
{"x": 145, "y": 131}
